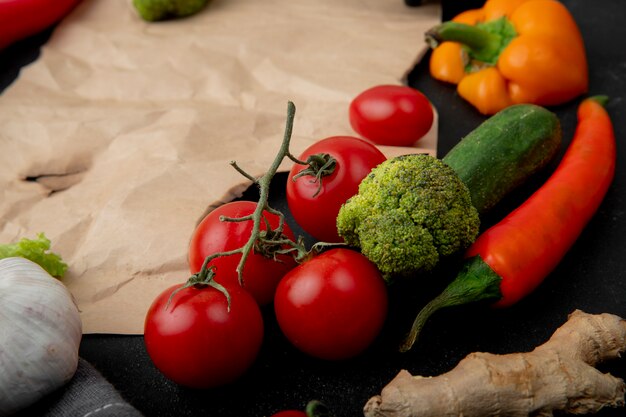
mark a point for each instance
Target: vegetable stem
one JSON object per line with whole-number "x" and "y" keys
{"x": 319, "y": 166}
{"x": 316, "y": 408}
{"x": 475, "y": 282}
{"x": 264, "y": 186}
{"x": 600, "y": 99}
{"x": 484, "y": 42}
{"x": 270, "y": 242}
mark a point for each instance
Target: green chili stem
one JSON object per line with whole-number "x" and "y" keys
{"x": 475, "y": 282}
{"x": 316, "y": 408}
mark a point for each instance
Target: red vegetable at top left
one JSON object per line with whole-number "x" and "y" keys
{"x": 20, "y": 19}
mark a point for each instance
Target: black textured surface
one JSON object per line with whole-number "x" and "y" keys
{"x": 591, "y": 277}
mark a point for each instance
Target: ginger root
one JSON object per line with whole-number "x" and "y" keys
{"x": 558, "y": 375}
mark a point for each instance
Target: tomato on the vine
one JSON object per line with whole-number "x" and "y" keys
{"x": 196, "y": 340}
{"x": 393, "y": 115}
{"x": 315, "y": 202}
{"x": 260, "y": 273}
{"x": 332, "y": 306}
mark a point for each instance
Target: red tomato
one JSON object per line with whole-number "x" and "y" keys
{"x": 196, "y": 341}
{"x": 290, "y": 413}
{"x": 317, "y": 213}
{"x": 391, "y": 115}
{"x": 260, "y": 274}
{"x": 332, "y": 306}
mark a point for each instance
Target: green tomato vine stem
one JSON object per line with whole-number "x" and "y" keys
{"x": 263, "y": 183}
{"x": 320, "y": 165}
{"x": 270, "y": 242}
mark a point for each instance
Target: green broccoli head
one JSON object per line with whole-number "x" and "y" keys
{"x": 155, "y": 10}
{"x": 409, "y": 212}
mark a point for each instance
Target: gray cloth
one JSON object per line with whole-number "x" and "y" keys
{"x": 87, "y": 394}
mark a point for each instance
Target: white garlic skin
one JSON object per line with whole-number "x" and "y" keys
{"x": 40, "y": 333}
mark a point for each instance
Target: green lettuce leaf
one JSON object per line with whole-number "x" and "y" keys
{"x": 36, "y": 250}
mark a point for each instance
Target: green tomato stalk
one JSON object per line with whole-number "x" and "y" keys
{"x": 270, "y": 242}
{"x": 319, "y": 166}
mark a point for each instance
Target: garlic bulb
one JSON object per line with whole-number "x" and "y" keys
{"x": 40, "y": 332}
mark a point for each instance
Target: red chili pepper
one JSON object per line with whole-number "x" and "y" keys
{"x": 22, "y": 18}
{"x": 510, "y": 259}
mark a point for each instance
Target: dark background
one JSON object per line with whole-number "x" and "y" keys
{"x": 591, "y": 277}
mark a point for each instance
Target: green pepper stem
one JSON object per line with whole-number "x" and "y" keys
{"x": 483, "y": 45}
{"x": 475, "y": 282}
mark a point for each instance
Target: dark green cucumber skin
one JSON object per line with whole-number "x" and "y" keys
{"x": 504, "y": 151}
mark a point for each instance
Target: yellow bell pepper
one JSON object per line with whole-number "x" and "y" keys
{"x": 511, "y": 51}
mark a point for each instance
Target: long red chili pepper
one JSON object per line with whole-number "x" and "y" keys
{"x": 22, "y": 18}
{"x": 510, "y": 259}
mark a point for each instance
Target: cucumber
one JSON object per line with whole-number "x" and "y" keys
{"x": 504, "y": 151}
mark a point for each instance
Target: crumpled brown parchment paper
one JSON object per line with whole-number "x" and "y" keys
{"x": 118, "y": 138}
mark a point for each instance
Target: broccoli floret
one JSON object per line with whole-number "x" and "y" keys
{"x": 155, "y": 10}
{"x": 409, "y": 212}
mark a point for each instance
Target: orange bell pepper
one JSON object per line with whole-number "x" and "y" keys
{"x": 509, "y": 52}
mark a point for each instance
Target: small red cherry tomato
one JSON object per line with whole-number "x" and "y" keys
{"x": 391, "y": 115}
{"x": 196, "y": 341}
{"x": 332, "y": 306}
{"x": 290, "y": 413}
{"x": 260, "y": 274}
{"x": 315, "y": 203}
